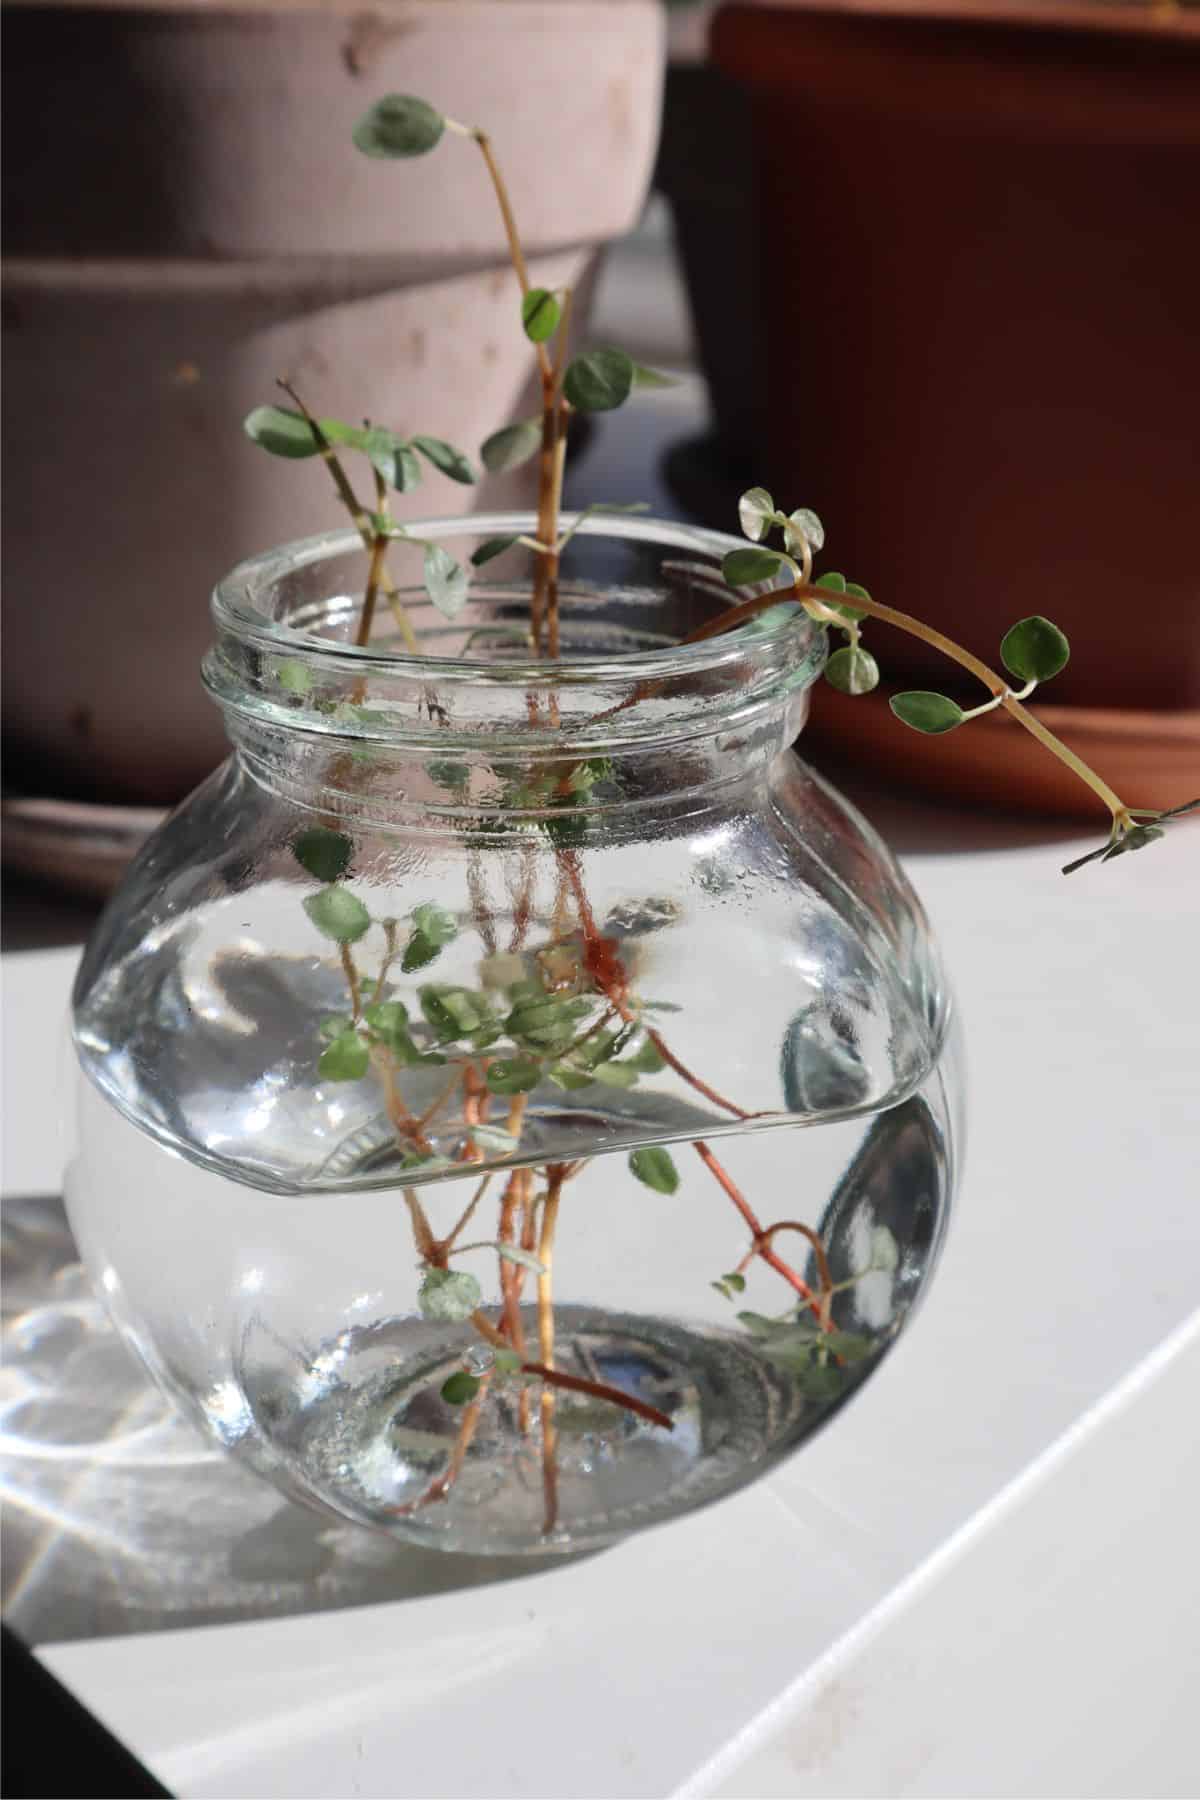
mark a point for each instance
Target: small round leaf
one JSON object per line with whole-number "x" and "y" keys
{"x": 459, "y": 1388}
{"x": 281, "y": 431}
{"x": 852, "y": 670}
{"x": 325, "y": 854}
{"x": 489, "y": 548}
{"x": 656, "y": 1169}
{"x": 743, "y": 567}
{"x": 347, "y": 1058}
{"x": 399, "y": 125}
{"x": 927, "y": 712}
{"x": 338, "y": 913}
{"x": 394, "y": 460}
{"x": 540, "y": 314}
{"x": 652, "y": 378}
{"x": 446, "y": 459}
{"x": 1034, "y": 649}
{"x": 513, "y": 1077}
{"x": 511, "y": 446}
{"x": 599, "y": 380}
{"x": 524, "y": 1259}
{"x": 1141, "y": 836}
{"x": 447, "y": 1295}
{"x": 803, "y": 527}
{"x": 445, "y": 581}
{"x": 755, "y": 510}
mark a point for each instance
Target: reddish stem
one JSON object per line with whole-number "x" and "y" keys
{"x": 601, "y": 1391}
{"x": 762, "y": 1239}
{"x": 604, "y": 965}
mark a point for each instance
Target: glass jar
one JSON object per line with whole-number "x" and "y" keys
{"x": 388, "y": 1027}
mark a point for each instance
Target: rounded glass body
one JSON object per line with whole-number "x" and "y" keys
{"x": 517, "y": 1105}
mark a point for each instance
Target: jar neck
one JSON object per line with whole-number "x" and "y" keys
{"x": 475, "y": 726}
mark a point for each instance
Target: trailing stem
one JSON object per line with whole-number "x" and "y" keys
{"x": 816, "y": 602}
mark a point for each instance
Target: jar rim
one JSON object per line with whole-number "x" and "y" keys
{"x": 234, "y": 612}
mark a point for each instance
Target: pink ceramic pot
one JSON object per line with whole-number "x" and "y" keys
{"x": 197, "y": 223}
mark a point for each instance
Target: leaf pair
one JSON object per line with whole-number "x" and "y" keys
{"x": 283, "y": 431}
{"x": 1034, "y": 650}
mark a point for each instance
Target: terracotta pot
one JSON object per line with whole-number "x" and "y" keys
{"x": 196, "y": 224}
{"x": 980, "y": 300}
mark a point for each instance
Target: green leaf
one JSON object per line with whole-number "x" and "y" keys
{"x": 325, "y": 854}
{"x": 399, "y": 125}
{"x": 1137, "y": 839}
{"x": 459, "y": 1388}
{"x": 1034, "y": 649}
{"x": 386, "y": 1016}
{"x": 652, "y": 378}
{"x": 516, "y": 1076}
{"x": 448, "y": 774}
{"x": 926, "y": 712}
{"x": 803, "y": 527}
{"x": 447, "y": 1295}
{"x": 428, "y": 1164}
{"x": 654, "y": 1168}
{"x": 598, "y": 1049}
{"x": 507, "y": 1363}
{"x": 338, "y": 913}
{"x": 849, "y": 1345}
{"x": 852, "y": 670}
{"x": 347, "y": 1058}
{"x": 547, "y": 1023}
{"x": 335, "y": 431}
{"x": 492, "y": 547}
{"x": 445, "y": 581}
{"x": 433, "y": 927}
{"x": 419, "y": 953}
{"x": 837, "y": 585}
{"x": 755, "y": 512}
{"x": 563, "y": 1076}
{"x": 294, "y": 677}
{"x": 646, "y": 1059}
{"x": 743, "y": 567}
{"x": 333, "y": 1026}
{"x": 454, "y": 1012}
{"x": 816, "y": 1380}
{"x": 758, "y": 1324}
{"x": 615, "y": 1075}
{"x": 434, "y": 922}
{"x": 511, "y": 446}
{"x": 599, "y": 380}
{"x": 395, "y": 461}
{"x": 540, "y": 314}
{"x": 281, "y": 431}
{"x": 735, "y": 1281}
{"x": 525, "y": 1259}
{"x": 445, "y": 458}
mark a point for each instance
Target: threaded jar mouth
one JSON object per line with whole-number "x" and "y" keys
{"x": 630, "y": 589}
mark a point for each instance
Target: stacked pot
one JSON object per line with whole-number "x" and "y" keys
{"x": 186, "y": 221}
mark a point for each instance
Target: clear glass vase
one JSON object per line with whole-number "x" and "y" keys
{"x": 386, "y": 1032}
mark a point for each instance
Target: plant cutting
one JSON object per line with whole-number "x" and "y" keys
{"x": 512, "y": 889}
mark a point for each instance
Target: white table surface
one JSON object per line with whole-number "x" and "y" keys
{"x": 981, "y": 1580}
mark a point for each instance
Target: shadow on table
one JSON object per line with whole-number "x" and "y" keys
{"x": 119, "y": 1518}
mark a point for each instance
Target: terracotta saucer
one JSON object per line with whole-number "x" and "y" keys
{"x": 1150, "y": 758}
